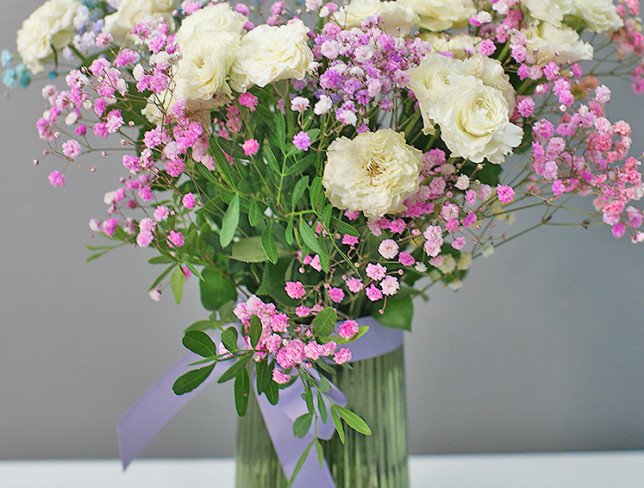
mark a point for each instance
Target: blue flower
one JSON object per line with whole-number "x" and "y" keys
{"x": 9, "y": 78}
{"x": 5, "y": 57}
{"x": 23, "y": 76}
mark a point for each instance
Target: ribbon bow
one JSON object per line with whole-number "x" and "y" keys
{"x": 158, "y": 405}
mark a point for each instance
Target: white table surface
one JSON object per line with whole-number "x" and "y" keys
{"x": 570, "y": 470}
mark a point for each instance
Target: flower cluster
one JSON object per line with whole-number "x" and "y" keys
{"x": 308, "y": 177}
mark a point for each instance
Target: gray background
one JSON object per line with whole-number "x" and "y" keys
{"x": 543, "y": 349}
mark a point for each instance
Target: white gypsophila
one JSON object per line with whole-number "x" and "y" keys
{"x": 440, "y": 15}
{"x": 373, "y": 173}
{"x": 130, "y": 12}
{"x": 208, "y": 41}
{"x": 474, "y": 121}
{"x": 546, "y": 42}
{"x": 388, "y": 249}
{"x": 272, "y": 53}
{"x": 396, "y": 19}
{"x": 552, "y": 11}
{"x": 461, "y": 46}
{"x": 599, "y": 15}
{"x": 323, "y": 105}
{"x": 49, "y": 27}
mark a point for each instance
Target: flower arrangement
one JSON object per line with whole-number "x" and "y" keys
{"x": 334, "y": 162}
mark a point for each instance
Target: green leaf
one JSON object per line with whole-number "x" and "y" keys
{"x": 344, "y": 228}
{"x": 302, "y": 425}
{"x": 301, "y": 165}
{"x": 324, "y": 414}
{"x": 324, "y": 322}
{"x": 272, "y": 160}
{"x": 249, "y": 250}
{"x": 216, "y": 289}
{"x": 201, "y": 325}
{"x": 200, "y": 343}
{"x": 320, "y": 452}
{"x": 230, "y": 222}
{"x": 264, "y": 375}
{"x": 398, "y": 314}
{"x": 269, "y": 245}
{"x": 324, "y": 385}
{"x": 315, "y": 193}
{"x": 288, "y": 233}
{"x": 161, "y": 260}
{"x": 255, "y": 330}
{"x": 177, "y": 284}
{"x": 309, "y": 237}
{"x": 300, "y": 463}
{"x": 298, "y": 191}
{"x": 307, "y": 396}
{"x": 272, "y": 393}
{"x": 325, "y": 216}
{"x": 353, "y": 420}
{"x": 194, "y": 270}
{"x": 337, "y": 422}
{"x": 255, "y": 214}
{"x": 229, "y": 338}
{"x": 313, "y": 134}
{"x": 161, "y": 277}
{"x": 242, "y": 392}
{"x": 191, "y": 380}
{"x": 234, "y": 370}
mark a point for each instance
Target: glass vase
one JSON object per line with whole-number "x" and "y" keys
{"x": 375, "y": 389}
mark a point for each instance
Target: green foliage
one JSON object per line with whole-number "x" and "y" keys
{"x": 216, "y": 289}
{"x": 255, "y": 330}
{"x": 324, "y": 322}
{"x": 242, "y": 392}
{"x": 230, "y": 222}
{"x": 352, "y": 419}
{"x": 191, "y": 380}
{"x": 302, "y": 425}
{"x": 200, "y": 343}
{"x": 398, "y": 314}
{"x": 178, "y": 284}
{"x": 249, "y": 250}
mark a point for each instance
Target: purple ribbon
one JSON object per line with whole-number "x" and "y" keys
{"x": 158, "y": 405}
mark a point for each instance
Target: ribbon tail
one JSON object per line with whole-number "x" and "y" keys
{"x": 157, "y": 406}
{"x": 289, "y": 448}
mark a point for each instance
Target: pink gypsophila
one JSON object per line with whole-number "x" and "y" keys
{"x": 348, "y": 329}
{"x": 295, "y": 290}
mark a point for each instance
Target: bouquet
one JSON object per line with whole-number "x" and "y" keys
{"x": 314, "y": 164}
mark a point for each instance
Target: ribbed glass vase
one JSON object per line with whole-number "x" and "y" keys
{"x": 375, "y": 389}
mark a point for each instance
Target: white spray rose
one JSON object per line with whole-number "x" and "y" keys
{"x": 552, "y": 11}
{"x": 396, "y": 19}
{"x": 271, "y": 53}
{"x": 433, "y": 78}
{"x": 599, "y": 15}
{"x": 130, "y": 12}
{"x": 547, "y": 42}
{"x": 51, "y": 25}
{"x": 491, "y": 73}
{"x": 429, "y": 82}
{"x": 373, "y": 173}
{"x": 214, "y": 18}
{"x": 439, "y": 15}
{"x": 474, "y": 121}
{"x": 208, "y": 41}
